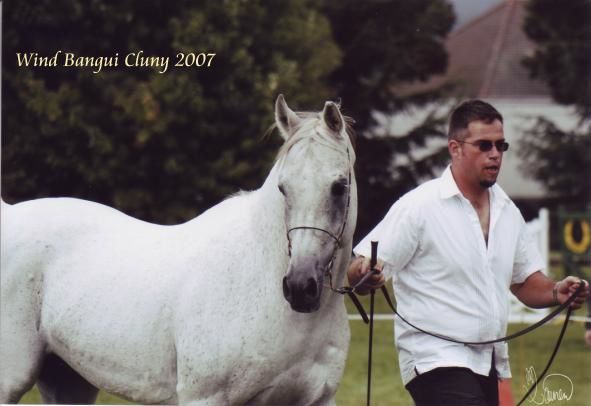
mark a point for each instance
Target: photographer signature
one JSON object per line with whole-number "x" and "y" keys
{"x": 555, "y": 387}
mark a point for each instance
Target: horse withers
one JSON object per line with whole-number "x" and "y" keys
{"x": 229, "y": 308}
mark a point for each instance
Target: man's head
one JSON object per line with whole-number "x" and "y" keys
{"x": 476, "y": 142}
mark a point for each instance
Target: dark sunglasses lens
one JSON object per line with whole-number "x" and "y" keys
{"x": 502, "y": 145}
{"x": 485, "y": 146}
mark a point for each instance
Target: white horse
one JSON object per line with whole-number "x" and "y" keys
{"x": 193, "y": 313}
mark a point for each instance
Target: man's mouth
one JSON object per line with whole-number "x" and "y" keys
{"x": 493, "y": 170}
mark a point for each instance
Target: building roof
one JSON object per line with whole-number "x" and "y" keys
{"x": 485, "y": 61}
{"x": 485, "y": 57}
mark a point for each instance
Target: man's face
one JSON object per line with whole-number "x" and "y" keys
{"x": 481, "y": 167}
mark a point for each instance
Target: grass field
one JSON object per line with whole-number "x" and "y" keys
{"x": 533, "y": 350}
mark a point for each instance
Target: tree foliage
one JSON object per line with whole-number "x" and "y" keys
{"x": 562, "y": 34}
{"x": 164, "y": 147}
{"x": 159, "y": 146}
{"x": 386, "y": 44}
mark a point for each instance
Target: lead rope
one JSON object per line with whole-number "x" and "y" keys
{"x": 369, "y": 355}
{"x": 554, "y": 352}
{"x": 373, "y": 260}
{"x": 372, "y": 264}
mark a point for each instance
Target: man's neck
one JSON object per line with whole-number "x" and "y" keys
{"x": 475, "y": 193}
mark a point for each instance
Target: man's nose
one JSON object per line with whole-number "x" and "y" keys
{"x": 494, "y": 153}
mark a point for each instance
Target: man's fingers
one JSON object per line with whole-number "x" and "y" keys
{"x": 365, "y": 266}
{"x": 574, "y": 285}
{"x": 375, "y": 281}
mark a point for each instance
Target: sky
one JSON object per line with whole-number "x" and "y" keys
{"x": 466, "y": 10}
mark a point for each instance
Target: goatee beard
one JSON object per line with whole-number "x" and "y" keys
{"x": 487, "y": 183}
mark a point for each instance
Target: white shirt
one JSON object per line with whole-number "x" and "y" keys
{"x": 447, "y": 280}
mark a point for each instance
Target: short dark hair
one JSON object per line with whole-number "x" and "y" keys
{"x": 468, "y": 111}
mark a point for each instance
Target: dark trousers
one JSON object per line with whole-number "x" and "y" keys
{"x": 454, "y": 387}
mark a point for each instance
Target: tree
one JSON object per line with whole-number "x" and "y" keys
{"x": 386, "y": 44}
{"x": 164, "y": 147}
{"x": 562, "y": 34}
{"x": 159, "y": 146}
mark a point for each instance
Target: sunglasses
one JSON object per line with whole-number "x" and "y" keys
{"x": 486, "y": 145}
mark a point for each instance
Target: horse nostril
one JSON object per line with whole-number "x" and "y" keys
{"x": 311, "y": 288}
{"x": 286, "y": 292}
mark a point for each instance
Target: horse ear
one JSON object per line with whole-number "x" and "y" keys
{"x": 332, "y": 117}
{"x": 285, "y": 118}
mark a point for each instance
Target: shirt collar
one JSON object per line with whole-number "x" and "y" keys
{"x": 498, "y": 195}
{"x": 449, "y": 188}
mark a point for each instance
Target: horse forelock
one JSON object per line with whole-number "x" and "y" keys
{"x": 307, "y": 129}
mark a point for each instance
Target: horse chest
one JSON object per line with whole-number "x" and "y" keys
{"x": 312, "y": 363}
{"x": 307, "y": 376}
{"x": 285, "y": 362}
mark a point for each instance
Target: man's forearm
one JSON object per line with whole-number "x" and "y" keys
{"x": 537, "y": 291}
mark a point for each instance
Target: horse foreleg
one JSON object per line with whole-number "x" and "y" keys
{"x": 21, "y": 348}
{"x": 60, "y": 384}
{"x": 18, "y": 370}
{"x": 17, "y": 373}
{"x": 19, "y": 365}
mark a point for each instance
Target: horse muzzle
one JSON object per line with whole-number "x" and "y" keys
{"x": 302, "y": 286}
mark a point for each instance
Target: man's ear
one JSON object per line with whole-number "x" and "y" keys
{"x": 454, "y": 148}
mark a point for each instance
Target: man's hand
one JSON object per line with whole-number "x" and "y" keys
{"x": 566, "y": 287}
{"x": 358, "y": 269}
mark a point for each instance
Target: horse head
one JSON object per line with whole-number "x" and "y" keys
{"x": 317, "y": 184}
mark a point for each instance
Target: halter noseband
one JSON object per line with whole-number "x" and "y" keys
{"x": 331, "y": 235}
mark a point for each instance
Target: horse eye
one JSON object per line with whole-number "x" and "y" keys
{"x": 281, "y": 189}
{"x": 338, "y": 188}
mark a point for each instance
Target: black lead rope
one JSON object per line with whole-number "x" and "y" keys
{"x": 554, "y": 352}
{"x": 369, "y": 355}
{"x": 372, "y": 264}
{"x": 350, "y": 291}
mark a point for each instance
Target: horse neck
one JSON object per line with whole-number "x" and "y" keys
{"x": 269, "y": 220}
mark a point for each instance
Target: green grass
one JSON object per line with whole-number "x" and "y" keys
{"x": 532, "y": 350}
{"x": 33, "y": 397}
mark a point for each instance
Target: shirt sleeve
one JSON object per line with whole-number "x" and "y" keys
{"x": 527, "y": 256}
{"x": 397, "y": 237}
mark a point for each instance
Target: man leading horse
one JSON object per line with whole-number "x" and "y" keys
{"x": 455, "y": 248}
